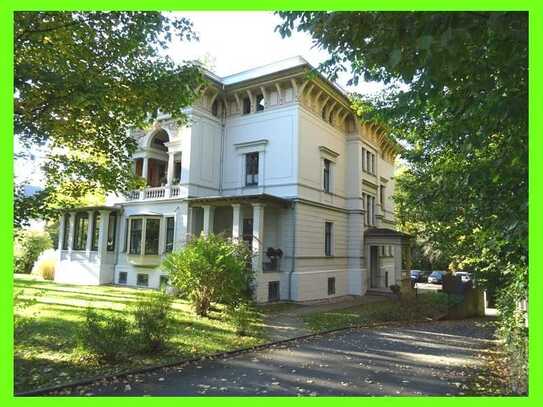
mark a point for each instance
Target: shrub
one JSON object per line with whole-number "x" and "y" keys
{"x": 44, "y": 267}
{"x": 211, "y": 269}
{"x": 241, "y": 316}
{"x": 105, "y": 335}
{"x": 153, "y": 320}
{"x": 28, "y": 246}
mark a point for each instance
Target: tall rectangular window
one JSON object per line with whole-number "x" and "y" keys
{"x": 123, "y": 277}
{"x": 135, "y": 236}
{"x": 251, "y": 169}
{"x": 111, "y": 232}
{"x": 80, "y": 235}
{"x": 368, "y": 161}
{"x": 152, "y": 230}
{"x": 382, "y": 196}
{"x": 170, "y": 225}
{"x": 363, "y": 159}
{"x": 373, "y": 164}
{"x": 95, "y": 231}
{"x": 328, "y": 238}
{"x": 326, "y": 175}
{"x": 66, "y": 235}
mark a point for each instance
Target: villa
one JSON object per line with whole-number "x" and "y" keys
{"x": 271, "y": 156}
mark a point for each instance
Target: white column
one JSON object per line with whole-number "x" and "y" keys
{"x": 88, "y": 246}
{"x": 102, "y": 234}
{"x": 145, "y": 169}
{"x": 181, "y": 225}
{"x": 71, "y": 232}
{"x": 258, "y": 236}
{"x": 60, "y": 234}
{"x": 171, "y": 167}
{"x": 209, "y": 216}
{"x": 237, "y": 226}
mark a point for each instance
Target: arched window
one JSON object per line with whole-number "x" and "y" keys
{"x": 260, "y": 103}
{"x": 158, "y": 140}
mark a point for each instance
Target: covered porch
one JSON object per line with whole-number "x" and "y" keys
{"x": 257, "y": 220}
{"x": 388, "y": 256}
{"x": 86, "y": 250}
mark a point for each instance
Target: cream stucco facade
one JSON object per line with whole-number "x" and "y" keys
{"x": 271, "y": 156}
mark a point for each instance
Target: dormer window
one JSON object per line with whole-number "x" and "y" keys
{"x": 259, "y": 103}
{"x": 246, "y": 105}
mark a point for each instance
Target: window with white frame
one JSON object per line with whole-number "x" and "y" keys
{"x": 369, "y": 203}
{"x": 144, "y": 236}
{"x": 368, "y": 161}
{"x": 251, "y": 169}
{"x": 328, "y": 238}
{"x": 170, "y": 227}
{"x": 326, "y": 175}
{"x": 328, "y": 161}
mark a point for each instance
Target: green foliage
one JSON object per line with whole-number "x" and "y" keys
{"x": 21, "y": 303}
{"x": 105, "y": 335}
{"x": 211, "y": 269}
{"x": 28, "y": 246}
{"x": 82, "y": 80}
{"x": 457, "y": 100}
{"x": 242, "y": 316}
{"x": 153, "y": 321}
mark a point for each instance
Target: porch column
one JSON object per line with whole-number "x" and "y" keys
{"x": 88, "y": 246}
{"x": 171, "y": 167}
{"x": 209, "y": 216}
{"x": 237, "y": 225}
{"x": 60, "y": 235}
{"x": 71, "y": 232}
{"x": 258, "y": 236}
{"x": 181, "y": 225}
{"x": 145, "y": 169}
{"x": 102, "y": 233}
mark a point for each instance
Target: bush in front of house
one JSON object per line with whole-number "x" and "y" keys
{"x": 105, "y": 335}
{"x": 44, "y": 267}
{"x": 28, "y": 246}
{"x": 211, "y": 269}
{"x": 152, "y": 321}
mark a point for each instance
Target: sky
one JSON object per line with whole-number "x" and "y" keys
{"x": 231, "y": 42}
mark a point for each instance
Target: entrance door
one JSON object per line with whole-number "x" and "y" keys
{"x": 248, "y": 231}
{"x": 374, "y": 267}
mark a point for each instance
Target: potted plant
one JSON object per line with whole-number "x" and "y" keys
{"x": 274, "y": 255}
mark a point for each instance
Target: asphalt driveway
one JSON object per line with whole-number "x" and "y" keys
{"x": 421, "y": 359}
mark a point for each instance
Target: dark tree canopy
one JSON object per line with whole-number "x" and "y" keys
{"x": 82, "y": 79}
{"x": 462, "y": 114}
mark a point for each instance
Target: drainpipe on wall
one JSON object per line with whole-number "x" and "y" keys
{"x": 293, "y": 252}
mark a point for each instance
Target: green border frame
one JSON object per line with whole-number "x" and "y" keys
{"x": 535, "y": 9}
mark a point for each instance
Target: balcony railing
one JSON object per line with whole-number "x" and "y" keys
{"x": 154, "y": 193}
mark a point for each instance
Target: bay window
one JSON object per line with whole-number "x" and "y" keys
{"x": 144, "y": 236}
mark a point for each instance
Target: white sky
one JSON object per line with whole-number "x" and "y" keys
{"x": 232, "y": 42}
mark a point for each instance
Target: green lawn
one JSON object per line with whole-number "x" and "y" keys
{"x": 47, "y": 351}
{"x": 424, "y": 306}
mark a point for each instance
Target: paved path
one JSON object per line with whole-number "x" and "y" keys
{"x": 289, "y": 324}
{"x": 421, "y": 359}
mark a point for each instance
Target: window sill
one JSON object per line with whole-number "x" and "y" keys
{"x": 144, "y": 260}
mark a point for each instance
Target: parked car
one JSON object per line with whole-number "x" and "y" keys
{"x": 416, "y": 276}
{"x": 464, "y": 275}
{"x": 436, "y": 277}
